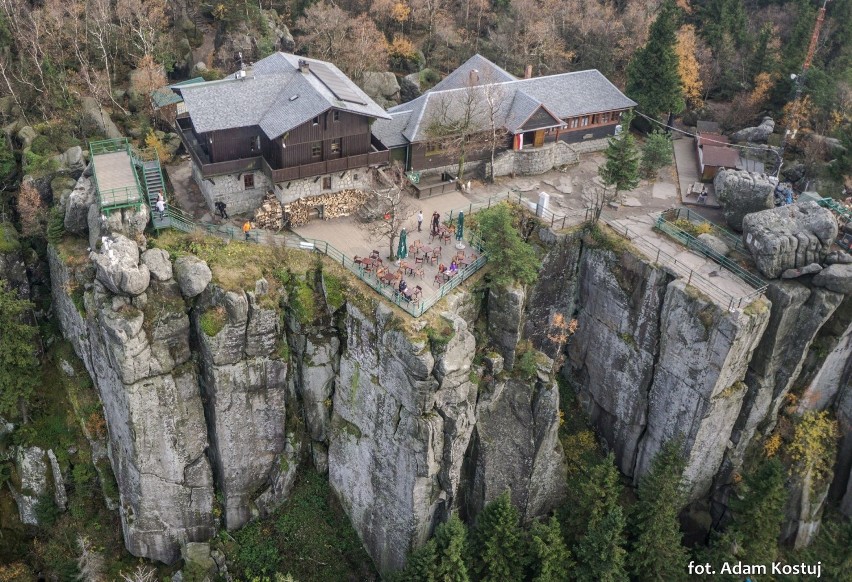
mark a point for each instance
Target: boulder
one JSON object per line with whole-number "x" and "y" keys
{"x": 118, "y": 266}
{"x": 198, "y": 554}
{"x": 838, "y": 258}
{"x": 32, "y": 472}
{"x": 757, "y": 134}
{"x": 381, "y": 87}
{"x": 157, "y": 261}
{"x": 837, "y": 278}
{"x": 715, "y": 243}
{"x": 741, "y": 193}
{"x": 98, "y": 116}
{"x": 789, "y": 237}
{"x": 192, "y": 274}
{"x": 26, "y": 135}
{"x": 806, "y": 270}
{"x": 72, "y": 161}
{"x": 62, "y": 185}
{"x": 409, "y": 87}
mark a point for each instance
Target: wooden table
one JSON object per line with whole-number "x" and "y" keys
{"x": 388, "y": 278}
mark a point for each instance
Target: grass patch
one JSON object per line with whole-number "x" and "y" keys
{"x": 334, "y": 288}
{"x": 213, "y": 320}
{"x": 9, "y": 242}
{"x": 603, "y": 237}
{"x": 309, "y": 537}
{"x": 756, "y": 307}
{"x": 303, "y": 301}
{"x": 439, "y": 334}
{"x": 693, "y": 229}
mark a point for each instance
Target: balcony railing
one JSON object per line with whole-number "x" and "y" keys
{"x": 211, "y": 169}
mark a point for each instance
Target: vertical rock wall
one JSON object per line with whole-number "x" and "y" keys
{"x": 149, "y": 389}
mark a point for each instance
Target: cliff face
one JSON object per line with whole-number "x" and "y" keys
{"x": 216, "y": 392}
{"x": 138, "y": 355}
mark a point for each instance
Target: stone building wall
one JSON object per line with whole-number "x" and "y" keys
{"x": 229, "y": 189}
{"x": 292, "y": 190}
{"x": 534, "y": 161}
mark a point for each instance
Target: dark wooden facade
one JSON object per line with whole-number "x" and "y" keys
{"x": 426, "y": 155}
{"x": 333, "y": 141}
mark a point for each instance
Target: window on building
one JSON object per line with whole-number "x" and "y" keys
{"x": 585, "y": 121}
{"x": 573, "y": 122}
{"x": 316, "y": 149}
{"x": 248, "y": 181}
{"x": 316, "y": 120}
{"x": 335, "y": 115}
{"x": 433, "y": 148}
{"x": 254, "y": 144}
{"x": 604, "y": 117}
{"x": 326, "y": 183}
{"x": 595, "y": 119}
{"x": 336, "y": 147}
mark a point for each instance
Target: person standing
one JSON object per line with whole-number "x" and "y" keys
{"x": 419, "y": 219}
{"x": 161, "y": 207}
{"x": 246, "y": 229}
{"x": 436, "y": 220}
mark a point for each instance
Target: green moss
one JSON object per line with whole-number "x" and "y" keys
{"x": 756, "y": 307}
{"x": 707, "y": 317}
{"x": 628, "y": 339}
{"x": 439, "y": 334}
{"x": 303, "y": 302}
{"x": 525, "y": 362}
{"x": 283, "y": 349}
{"x": 731, "y": 390}
{"x": 603, "y": 237}
{"x": 334, "y": 288}
{"x": 213, "y": 320}
{"x": 8, "y": 238}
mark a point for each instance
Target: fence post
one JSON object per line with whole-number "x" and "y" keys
{"x": 563, "y": 222}
{"x": 470, "y": 208}
{"x": 326, "y": 247}
{"x": 489, "y": 202}
{"x": 689, "y": 280}
{"x": 658, "y": 256}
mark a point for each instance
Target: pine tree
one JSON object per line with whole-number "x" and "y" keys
{"x": 621, "y": 168}
{"x": 656, "y": 552}
{"x": 656, "y": 153}
{"x": 18, "y": 361}
{"x": 421, "y": 566}
{"x": 549, "y": 556}
{"x": 451, "y": 551}
{"x": 600, "y": 551}
{"x": 653, "y": 80}
{"x": 759, "y": 511}
{"x": 495, "y": 542}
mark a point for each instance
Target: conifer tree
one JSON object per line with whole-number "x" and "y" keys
{"x": 621, "y": 169}
{"x": 600, "y": 551}
{"x": 759, "y": 511}
{"x": 421, "y": 566}
{"x": 656, "y": 552}
{"x": 653, "y": 80}
{"x": 18, "y": 356}
{"x": 495, "y": 542}
{"x": 451, "y": 551}
{"x": 549, "y": 556}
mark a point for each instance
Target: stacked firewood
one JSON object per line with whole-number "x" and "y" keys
{"x": 270, "y": 215}
{"x": 334, "y": 205}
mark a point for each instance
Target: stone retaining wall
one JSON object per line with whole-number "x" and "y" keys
{"x": 535, "y": 161}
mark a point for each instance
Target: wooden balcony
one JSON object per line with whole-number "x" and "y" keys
{"x": 210, "y": 169}
{"x": 326, "y": 167}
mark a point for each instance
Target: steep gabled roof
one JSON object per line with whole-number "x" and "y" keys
{"x": 484, "y": 72}
{"x": 563, "y": 96}
{"x": 274, "y": 95}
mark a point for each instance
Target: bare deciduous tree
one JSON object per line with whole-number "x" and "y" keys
{"x": 142, "y": 573}
{"x": 90, "y": 562}
{"x": 393, "y": 210}
{"x": 31, "y": 210}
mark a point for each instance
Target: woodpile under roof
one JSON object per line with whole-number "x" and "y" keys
{"x": 327, "y": 206}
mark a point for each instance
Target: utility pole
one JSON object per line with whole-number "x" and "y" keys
{"x": 800, "y": 81}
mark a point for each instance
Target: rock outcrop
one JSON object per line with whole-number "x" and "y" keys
{"x": 192, "y": 274}
{"x": 756, "y": 134}
{"x": 791, "y": 237}
{"x": 742, "y": 193}
{"x": 118, "y": 266}
{"x": 837, "y": 278}
{"x": 137, "y": 352}
{"x": 383, "y": 88}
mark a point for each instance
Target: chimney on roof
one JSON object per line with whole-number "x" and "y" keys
{"x": 528, "y": 72}
{"x": 304, "y": 66}
{"x": 474, "y": 77}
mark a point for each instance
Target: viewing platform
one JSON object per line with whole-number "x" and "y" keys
{"x": 115, "y": 177}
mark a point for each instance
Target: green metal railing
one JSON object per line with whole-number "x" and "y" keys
{"x": 729, "y": 238}
{"x": 693, "y": 278}
{"x": 115, "y": 198}
{"x": 559, "y": 221}
{"x": 695, "y": 244}
{"x": 832, "y": 204}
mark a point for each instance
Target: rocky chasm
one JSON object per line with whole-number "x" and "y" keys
{"x": 405, "y": 424}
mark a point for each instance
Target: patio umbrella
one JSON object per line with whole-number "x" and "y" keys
{"x": 402, "y": 249}
{"x": 460, "y": 227}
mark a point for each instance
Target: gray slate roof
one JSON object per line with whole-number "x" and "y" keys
{"x": 390, "y": 131}
{"x": 484, "y": 72}
{"x": 263, "y": 98}
{"x": 564, "y": 95}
